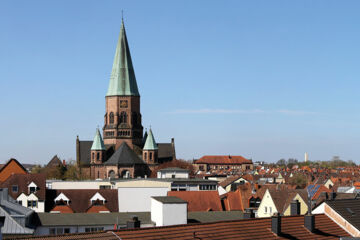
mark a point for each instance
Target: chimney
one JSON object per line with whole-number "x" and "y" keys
{"x": 309, "y": 222}
{"x": 134, "y": 223}
{"x": 332, "y": 195}
{"x": 294, "y": 208}
{"x": 249, "y": 213}
{"x": 276, "y": 224}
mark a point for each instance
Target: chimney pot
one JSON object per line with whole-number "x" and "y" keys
{"x": 276, "y": 224}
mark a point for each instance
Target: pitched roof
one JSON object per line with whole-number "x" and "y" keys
{"x": 258, "y": 228}
{"x": 122, "y": 79}
{"x": 55, "y": 161}
{"x": 98, "y": 143}
{"x": 12, "y": 166}
{"x": 124, "y": 156}
{"x": 233, "y": 201}
{"x": 199, "y": 200}
{"x": 22, "y": 181}
{"x": 150, "y": 143}
{"x": 223, "y": 160}
{"x": 62, "y": 209}
{"x": 229, "y": 180}
{"x": 80, "y": 198}
{"x": 166, "y": 151}
{"x": 349, "y": 209}
{"x": 85, "y": 149}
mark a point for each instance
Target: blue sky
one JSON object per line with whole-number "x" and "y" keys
{"x": 262, "y": 79}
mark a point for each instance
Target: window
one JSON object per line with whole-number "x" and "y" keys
{"x": 31, "y": 204}
{"x": 66, "y": 230}
{"x": 32, "y": 189}
{"x": 52, "y": 231}
{"x": 105, "y": 187}
{"x": 98, "y": 174}
{"x": 270, "y": 209}
{"x": 150, "y": 155}
{"x": 94, "y": 229}
{"x": 14, "y": 188}
{"x": 145, "y": 156}
{"x": 201, "y": 167}
{"x": 97, "y": 156}
{"x": 265, "y": 209}
{"x": 123, "y": 117}
{"x": 111, "y": 118}
{"x": 19, "y": 202}
{"x": 93, "y": 156}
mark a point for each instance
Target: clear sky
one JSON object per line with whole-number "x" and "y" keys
{"x": 262, "y": 79}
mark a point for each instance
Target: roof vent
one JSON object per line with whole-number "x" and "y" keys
{"x": 350, "y": 211}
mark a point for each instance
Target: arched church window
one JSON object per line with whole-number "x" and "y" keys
{"x": 97, "y": 156}
{"x": 150, "y": 156}
{"x": 111, "y": 174}
{"x": 111, "y": 118}
{"x": 145, "y": 156}
{"x": 123, "y": 117}
{"x": 93, "y": 156}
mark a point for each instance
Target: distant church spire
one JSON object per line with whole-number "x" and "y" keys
{"x": 122, "y": 79}
{"x": 150, "y": 143}
{"x": 98, "y": 143}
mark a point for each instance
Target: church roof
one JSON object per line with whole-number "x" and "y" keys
{"x": 98, "y": 143}
{"x": 150, "y": 143}
{"x": 124, "y": 156}
{"x": 122, "y": 79}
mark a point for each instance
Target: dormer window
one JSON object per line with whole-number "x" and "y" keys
{"x": 61, "y": 199}
{"x": 32, "y": 187}
{"x": 14, "y": 188}
{"x": 97, "y": 199}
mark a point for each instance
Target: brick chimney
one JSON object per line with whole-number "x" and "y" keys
{"x": 276, "y": 224}
{"x": 309, "y": 222}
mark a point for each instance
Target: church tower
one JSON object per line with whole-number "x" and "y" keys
{"x": 122, "y": 121}
{"x": 150, "y": 151}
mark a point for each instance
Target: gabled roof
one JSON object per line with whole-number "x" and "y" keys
{"x": 223, "y": 160}
{"x": 55, "y": 161}
{"x": 98, "y": 143}
{"x": 79, "y": 199}
{"x": 122, "y": 79}
{"x": 12, "y": 166}
{"x": 23, "y": 181}
{"x": 199, "y": 200}
{"x": 150, "y": 143}
{"x": 349, "y": 209}
{"x": 124, "y": 156}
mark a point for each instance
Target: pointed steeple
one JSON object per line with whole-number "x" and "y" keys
{"x": 150, "y": 143}
{"x": 98, "y": 143}
{"x": 122, "y": 80}
{"x": 145, "y": 137}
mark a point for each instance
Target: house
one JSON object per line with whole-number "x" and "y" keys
{"x": 11, "y": 167}
{"x": 173, "y": 172}
{"x": 232, "y": 182}
{"x": 82, "y": 201}
{"x": 239, "y": 163}
{"x": 27, "y": 189}
{"x": 278, "y": 201}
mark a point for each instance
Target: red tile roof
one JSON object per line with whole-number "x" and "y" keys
{"x": 223, "y": 160}
{"x": 62, "y": 209}
{"x": 259, "y": 228}
{"x": 97, "y": 209}
{"x": 199, "y": 200}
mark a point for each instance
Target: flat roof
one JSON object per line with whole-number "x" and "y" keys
{"x": 169, "y": 199}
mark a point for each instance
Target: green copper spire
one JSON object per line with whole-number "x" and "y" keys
{"x": 98, "y": 143}
{"x": 122, "y": 79}
{"x": 150, "y": 143}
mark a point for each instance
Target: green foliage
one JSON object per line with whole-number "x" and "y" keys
{"x": 299, "y": 180}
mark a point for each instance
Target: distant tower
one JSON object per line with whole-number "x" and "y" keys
{"x": 122, "y": 121}
{"x": 306, "y": 157}
{"x": 150, "y": 150}
{"x": 97, "y": 149}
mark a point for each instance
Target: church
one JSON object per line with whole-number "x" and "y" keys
{"x": 123, "y": 150}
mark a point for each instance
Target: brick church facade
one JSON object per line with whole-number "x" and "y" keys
{"x": 123, "y": 151}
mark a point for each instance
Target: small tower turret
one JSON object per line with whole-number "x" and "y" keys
{"x": 97, "y": 149}
{"x": 150, "y": 150}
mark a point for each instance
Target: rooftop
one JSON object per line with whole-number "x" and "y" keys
{"x": 169, "y": 199}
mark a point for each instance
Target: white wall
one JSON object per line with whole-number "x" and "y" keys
{"x": 166, "y": 214}
{"x": 77, "y": 184}
{"x": 138, "y": 199}
{"x": 32, "y": 197}
{"x": 170, "y": 174}
{"x": 319, "y": 209}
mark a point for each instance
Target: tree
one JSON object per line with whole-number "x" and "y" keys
{"x": 281, "y": 162}
{"x": 299, "y": 180}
